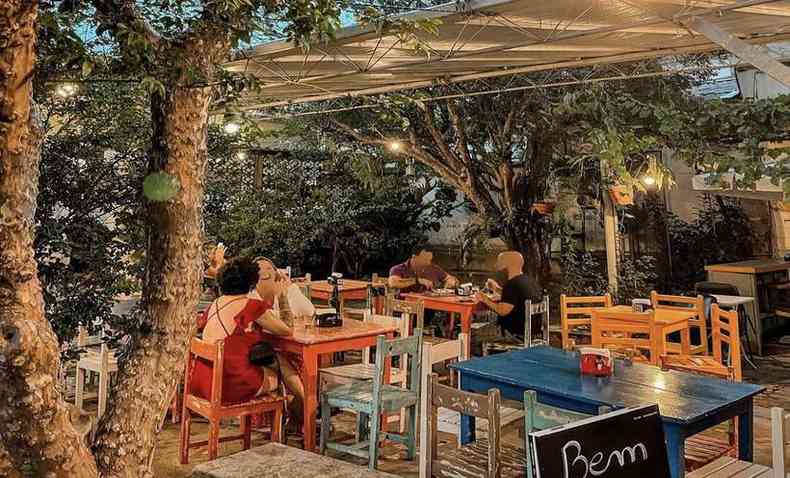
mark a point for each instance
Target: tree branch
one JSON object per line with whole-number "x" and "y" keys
{"x": 116, "y": 14}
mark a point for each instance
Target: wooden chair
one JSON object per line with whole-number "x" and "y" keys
{"x": 102, "y": 363}
{"x": 360, "y": 313}
{"x": 576, "y": 313}
{"x": 331, "y": 377}
{"x": 214, "y": 409}
{"x": 531, "y": 309}
{"x": 374, "y": 398}
{"x": 538, "y": 416}
{"x": 484, "y": 457}
{"x": 678, "y": 302}
{"x": 702, "y": 449}
{"x": 415, "y": 311}
{"x": 727, "y": 466}
{"x": 627, "y": 333}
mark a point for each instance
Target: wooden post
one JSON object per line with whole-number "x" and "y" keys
{"x": 610, "y": 234}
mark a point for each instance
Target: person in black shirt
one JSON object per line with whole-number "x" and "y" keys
{"x": 517, "y": 290}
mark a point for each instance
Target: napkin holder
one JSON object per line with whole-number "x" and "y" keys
{"x": 596, "y": 362}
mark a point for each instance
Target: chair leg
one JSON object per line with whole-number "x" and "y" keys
{"x": 277, "y": 434}
{"x": 213, "y": 438}
{"x": 373, "y": 450}
{"x": 411, "y": 447}
{"x": 326, "y": 424}
{"x": 104, "y": 381}
{"x": 186, "y": 428}
{"x": 246, "y": 431}
{"x": 79, "y": 388}
{"x": 403, "y": 419}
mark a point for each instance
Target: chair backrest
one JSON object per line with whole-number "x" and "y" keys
{"x": 577, "y": 311}
{"x": 780, "y": 438}
{"x": 531, "y": 309}
{"x": 411, "y": 347}
{"x": 538, "y": 416}
{"x": 486, "y": 407}
{"x": 726, "y": 335}
{"x": 682, "y": 303}
{"x": 413, "y": 309}
{"x": 213, "y": 353}
{"x": 715, "y": 288}
{"x": 633, "y": 331}
{"x": 401, "y": 324}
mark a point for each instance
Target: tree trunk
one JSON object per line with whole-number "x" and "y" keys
{"x": 174, "y": 269}
{"x": 530, "y": 239}
{"x": 36, "y": 435}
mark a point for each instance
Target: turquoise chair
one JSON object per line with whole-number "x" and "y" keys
{"x": 538, "y": 416}
{"x": 372, "y": 399}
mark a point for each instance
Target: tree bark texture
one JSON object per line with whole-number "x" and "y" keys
{"x": 36, "y": 435}
{"x": 174, "y": 272}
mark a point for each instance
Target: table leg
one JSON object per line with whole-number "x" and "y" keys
{"x": 676, "y": 450}
{"x": 746, "y": 433}
{"x": 466, "y": 328}
{"x": 310, "y": 378}
{"x": 685, "y": 341}
{"x": 467, "y": 431}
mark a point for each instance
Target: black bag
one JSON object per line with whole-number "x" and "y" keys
{"x": 262, "y": 354}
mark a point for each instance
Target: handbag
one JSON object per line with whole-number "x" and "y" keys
{"x": 261, "y": 354}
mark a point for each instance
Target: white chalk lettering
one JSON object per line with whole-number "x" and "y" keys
{"x": 592, "y": 466}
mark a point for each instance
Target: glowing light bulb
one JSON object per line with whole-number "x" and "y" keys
{"x": 241, "y": 155}
{"x": 232, "y": 127}
{"x": 395, "y": 146}
{"x": 66, "y": 90}
{"x": 649, "y": 180}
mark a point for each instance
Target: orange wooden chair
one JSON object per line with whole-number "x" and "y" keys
{"x": 627, "y": 333}
{"x": 215, "y": 409}
{"x": 576, "y": 312}
{"x": 702, "y": 449}
{"x": 679, "y": 302}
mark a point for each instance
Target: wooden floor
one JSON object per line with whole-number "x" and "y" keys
{"x": 773, "y": 372}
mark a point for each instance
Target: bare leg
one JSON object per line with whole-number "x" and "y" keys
{"x": 294, "y": 385}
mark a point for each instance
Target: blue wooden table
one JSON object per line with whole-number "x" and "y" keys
{"x": 688, "y": 403}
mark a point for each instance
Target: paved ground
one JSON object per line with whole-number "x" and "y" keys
{"x": 774, "y": 372}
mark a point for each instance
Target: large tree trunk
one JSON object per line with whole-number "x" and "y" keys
{"x": 530, "y": 238}
{"x": 36, "y": 435}
{"x": 174, "y": 269}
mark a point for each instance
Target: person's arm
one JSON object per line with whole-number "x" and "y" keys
{"x": 450, "y": 281}
{"x": 270, "y": 322}
{"x": 300, "y": 305}
{"x": 502, "y": 308}
{"x": 398, "y": 282}
{"x": 494, "y": 286}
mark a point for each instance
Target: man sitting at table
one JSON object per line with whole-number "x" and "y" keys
{"x": 517, "y": 290}
{"x": 420, "y": 274}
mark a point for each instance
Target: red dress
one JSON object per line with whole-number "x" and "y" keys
{"x": 241, "y": 381}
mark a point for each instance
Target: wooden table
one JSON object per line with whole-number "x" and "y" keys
{"x": 275, "y": 459}
{"x": 688, "y": 403}
{"x": 732, "y": 300}
{"x": 310, "y": 343}
{"x": 668, "y": 322}
{"x": 349, "y": 290}
{"x": 752, "y": 279}
{"x": 452, "y": 304}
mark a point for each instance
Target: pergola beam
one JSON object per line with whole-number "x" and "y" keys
{"x": 757, "y": 55}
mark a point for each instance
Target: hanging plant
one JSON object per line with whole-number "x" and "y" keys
{"x": 622, "y": 195}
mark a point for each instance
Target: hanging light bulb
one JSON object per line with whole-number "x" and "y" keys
{"x": 232, "y": 127}
{"x": 395, "y": 146}
{"x": 241, "y": 155}
{"x": 649, "y": 180}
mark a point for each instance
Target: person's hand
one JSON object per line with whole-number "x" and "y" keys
{"x": 480, "y": 297}
{"x": 428, "y": 284}
{"x": 492, "y": 284}
{"x": 283, "y": 284}
{"x": 451, "y": 282}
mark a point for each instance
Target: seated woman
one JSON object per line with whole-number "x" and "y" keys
{"x": 234, "y": 313}
{"x": 278, "y": 289}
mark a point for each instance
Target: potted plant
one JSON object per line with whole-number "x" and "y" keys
{"x": 622, "y": 195}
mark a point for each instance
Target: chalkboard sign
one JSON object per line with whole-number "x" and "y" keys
{"x": 623, "y": 444}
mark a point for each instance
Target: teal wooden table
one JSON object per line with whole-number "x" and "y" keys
{"x": 688, "y": 403}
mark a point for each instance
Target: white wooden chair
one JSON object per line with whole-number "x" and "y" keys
{"x": 346, "y": 374}
{"x": 104, "y": 364}
{"x": 780, "y": 439}
{"x": 531, "y": 309}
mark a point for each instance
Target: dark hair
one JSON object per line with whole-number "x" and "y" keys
{"x": 238, "y": 276}
{"x": 416, "y": 251}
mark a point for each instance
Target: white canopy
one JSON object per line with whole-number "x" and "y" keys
{"x": 488, "y": 38}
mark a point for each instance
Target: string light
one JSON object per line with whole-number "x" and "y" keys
{"x": 395, "y": 146}
{"x": 649, "y": 180}
{"x": 241, "y": 155}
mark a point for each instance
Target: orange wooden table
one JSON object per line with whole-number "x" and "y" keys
{"x": 452, "y": 304}
{"x": 668, "y": 322}
{"x": 310, "y": 343}
{"x": 349, "y": 290}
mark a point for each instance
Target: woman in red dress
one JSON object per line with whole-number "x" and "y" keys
{"x": 236, "y": 315}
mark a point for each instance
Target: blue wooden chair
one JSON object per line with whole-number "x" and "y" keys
{"x": 538, "y": 416}
{"x": 375, "y": 398}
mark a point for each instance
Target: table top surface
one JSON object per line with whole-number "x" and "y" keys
{"x": 447, "y": 299}
{"x": 307, "y": 334}
{"x": 751, "y": 267}
{"x": 664, "y": 317}
{"x": 682, "y": 398}
{"x": 275, "y": 459}
{"x": 732, "y": 299}
{"x": 345, "y": 285}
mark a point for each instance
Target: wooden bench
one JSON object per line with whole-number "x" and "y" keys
{"x": 279, "y": 460}
{"x": 727, "y": 467}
